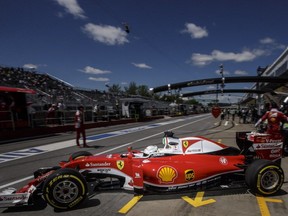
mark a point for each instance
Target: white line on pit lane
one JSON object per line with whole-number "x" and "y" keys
{"x": 9, "y": 156}
{"x": 104, "y": 152}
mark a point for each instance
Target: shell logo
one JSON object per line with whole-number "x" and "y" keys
{"x": 273, "y": 119}
{"x": 167, "y": 174}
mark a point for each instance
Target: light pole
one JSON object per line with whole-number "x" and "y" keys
{"x": 260, "y": 71}
{"x": 223, "y": 78}
{"x": 222, "y": 85}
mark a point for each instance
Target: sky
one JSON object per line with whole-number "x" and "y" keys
{"x": 95, "y": 43}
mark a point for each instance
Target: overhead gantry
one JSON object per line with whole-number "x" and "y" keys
{"x": 253, "y": 91}
{"x": 211, "y": 81}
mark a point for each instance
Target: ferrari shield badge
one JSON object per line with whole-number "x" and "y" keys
{"x": 185, "y": 143}
{"x": 216, "y": 111}
{"x": 120, "y": 164}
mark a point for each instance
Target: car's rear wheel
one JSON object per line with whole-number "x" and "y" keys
{"x": 65, "y": 189}
{"x": 264, "y": 177}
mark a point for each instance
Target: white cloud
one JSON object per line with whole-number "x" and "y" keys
{"x": 30, "y": 66}
{"x": 267, "y": 40}
{"x": 240, "y": 72}
{"x": 267, "y": 46}
{"x": 201, "y": 59}
{"x": 106, "y": 34}
{"x": 142, "y": 65}
{"x": 195, "y": 31}
{"x": 217, "y": 55}
{"x": 225, "y": 73}
{"x": 91, "y": 70}
{"x": 230, "y": 56}
{"x": 72, "y": 7}
{"x": 271, "y": 44}
{"x": 99, "y": 79}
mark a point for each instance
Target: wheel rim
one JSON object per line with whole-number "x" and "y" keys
{"x": 270, "y": 180}
{"x": 65, "y": 191}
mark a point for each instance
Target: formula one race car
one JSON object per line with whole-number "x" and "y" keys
{"x": 183, "y": 164}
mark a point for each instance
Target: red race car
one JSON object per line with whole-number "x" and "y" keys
{"x": 183, "y": 164}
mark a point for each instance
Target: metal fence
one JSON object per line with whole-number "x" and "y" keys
{"x": 7, "y": 119}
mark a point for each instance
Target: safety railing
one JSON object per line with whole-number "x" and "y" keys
{"x": 7, "y": 120}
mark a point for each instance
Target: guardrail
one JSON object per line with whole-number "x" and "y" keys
{"x": 7, "y": 120}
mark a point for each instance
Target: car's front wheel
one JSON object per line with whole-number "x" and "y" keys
{"x": 65, "y": 189}
{"x": 264, "y": 177}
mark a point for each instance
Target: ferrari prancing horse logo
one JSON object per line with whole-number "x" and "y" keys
{"x": 185, "y": 143}
{"x": 120, "y": 164}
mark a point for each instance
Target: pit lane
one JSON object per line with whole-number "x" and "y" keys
{"x": 139, "y": 135}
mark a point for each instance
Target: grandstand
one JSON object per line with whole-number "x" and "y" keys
{"x": 53, "y": 93}
{"x": 49, "y": 89}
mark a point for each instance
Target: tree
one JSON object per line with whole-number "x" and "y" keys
{"x": 115, "y": 89}
{"x": 143, "y": 90}
{"x": 131, "y": 89}
{"x": 192, "y": 101}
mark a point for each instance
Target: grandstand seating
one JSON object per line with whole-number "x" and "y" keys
{"x": 49, "y": 89}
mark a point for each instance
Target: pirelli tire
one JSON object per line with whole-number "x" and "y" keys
{"x": 65, "y": 189}
{"x": 264, "y": 177}
{"x": 80, "y": 154}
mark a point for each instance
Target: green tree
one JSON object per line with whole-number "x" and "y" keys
{"x": 192, "y": 102}
{"x": 131, "y": 89}
{"x": 115, "y": 89}
{"x": 143, "y": 90}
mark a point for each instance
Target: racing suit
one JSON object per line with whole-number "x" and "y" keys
{"x": 79, "y": 126}
{"x": 275, "y": 118}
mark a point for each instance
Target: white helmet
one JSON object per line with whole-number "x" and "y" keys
{"x": 150, "y": 149}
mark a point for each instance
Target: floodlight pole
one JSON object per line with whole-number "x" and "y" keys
{"x": 222, "y": 84}
{"x": 223, "y": 78}
{"x": 260, "y": 71}
{"x": 217, "y": 88}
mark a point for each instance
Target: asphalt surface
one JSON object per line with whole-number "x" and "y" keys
{"x": 18, "y": 161}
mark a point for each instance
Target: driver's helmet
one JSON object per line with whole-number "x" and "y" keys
{"x": 170, "y": 142}
{"x": 150, "y": 150}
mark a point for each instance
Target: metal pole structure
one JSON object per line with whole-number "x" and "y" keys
{"x": 217, "y": 88}
{"x": 223, "y": 78}
{"x": 260, "y": 71}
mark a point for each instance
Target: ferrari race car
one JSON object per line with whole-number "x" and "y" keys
{"x": 183, "y": 164}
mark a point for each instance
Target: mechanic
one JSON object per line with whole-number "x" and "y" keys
{"x": 79, "y": 126}
{"x": 274, "y": 118}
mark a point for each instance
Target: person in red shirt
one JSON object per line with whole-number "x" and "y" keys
{"x": 274, "y": 118}
{"x": 79, "y": 126}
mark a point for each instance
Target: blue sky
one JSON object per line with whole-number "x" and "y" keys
{"x": 84, "y": 42}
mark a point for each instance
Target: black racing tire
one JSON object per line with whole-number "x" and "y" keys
{"x": 264, "y": 177}
{"x": 65, "y": 189}
{"x": 80, "y": 154}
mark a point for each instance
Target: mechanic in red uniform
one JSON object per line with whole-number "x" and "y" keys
{"x": 274, "y": 118}
{"x": 79, "y": 126}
